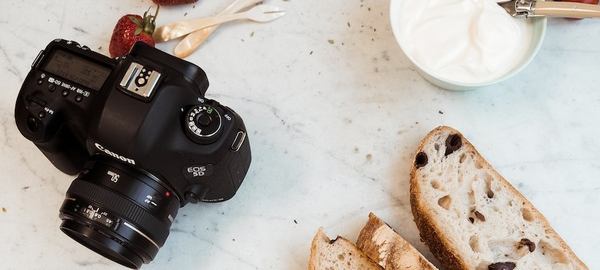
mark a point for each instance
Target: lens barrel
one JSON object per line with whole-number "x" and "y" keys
{"x": 120, "y": 212}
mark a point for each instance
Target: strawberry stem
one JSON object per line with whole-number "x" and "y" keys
{"x": 155, "y": 14}
{"x": 148, "y": 23}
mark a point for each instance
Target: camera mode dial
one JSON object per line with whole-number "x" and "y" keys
{"x": 203, "y": 123}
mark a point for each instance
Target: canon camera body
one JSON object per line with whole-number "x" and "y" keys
{"x": 140, "y": 135}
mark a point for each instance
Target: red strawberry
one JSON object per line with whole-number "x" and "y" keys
{"x": 173, "y": 2}
{"x": 131, "y": 29}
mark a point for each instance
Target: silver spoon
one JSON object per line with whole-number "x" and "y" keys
{"x": 261, "y": 13}
{"x": 191, "y": 42}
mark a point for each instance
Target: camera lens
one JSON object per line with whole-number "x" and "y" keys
{"x": 120, "y": 212}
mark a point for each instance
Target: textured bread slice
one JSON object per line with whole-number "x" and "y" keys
{"x": 472, "y": 218}
{"x": 326, "y": 254}
{"x": 384, "y": 246}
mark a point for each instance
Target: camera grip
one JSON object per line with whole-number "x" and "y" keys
{"x": 42, "y": 122}
{"x": 64, "y": 152}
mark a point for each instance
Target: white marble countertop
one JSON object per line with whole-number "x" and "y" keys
{"x": 334, "y": 111}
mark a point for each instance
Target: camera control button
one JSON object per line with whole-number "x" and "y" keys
{"x": 42, "y": 114}
{"x": 65, "y": 93}
{"x": 78, "y": 98}
{"x": 40, "y": 82}
{"x": 240, "y": 137}
{"x": 203, "y": 123}
{"x": 37, "y": 100}
{"x": 203, "y": 119}
{"x": 33, "y": 124}
{"x": 51, "y": 87}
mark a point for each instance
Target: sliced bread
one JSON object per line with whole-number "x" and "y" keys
{"x": 327, "y": 254}
{"x": 472, "y": 218}
{"x": 384, "y": 246}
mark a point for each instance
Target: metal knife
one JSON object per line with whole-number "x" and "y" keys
{"x": 537, "y": 8}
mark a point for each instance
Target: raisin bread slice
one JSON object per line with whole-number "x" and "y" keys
{"x": 472, "y": 218}
{"x": 327, "y": 254}
{"x": 383, "y": 245}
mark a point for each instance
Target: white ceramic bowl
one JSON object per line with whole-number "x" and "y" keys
{"x": 539, "y": 31}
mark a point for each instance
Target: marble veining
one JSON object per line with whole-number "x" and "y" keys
{"x": 334, "y": 112}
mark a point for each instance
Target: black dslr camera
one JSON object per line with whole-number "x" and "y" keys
{"x": 142, "y": 138}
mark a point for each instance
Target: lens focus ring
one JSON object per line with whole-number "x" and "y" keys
{"x": 118, "y": 211}
{"x": 121, "y": 207}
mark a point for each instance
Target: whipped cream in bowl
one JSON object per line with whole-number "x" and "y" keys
{"x": 464, "y": 44}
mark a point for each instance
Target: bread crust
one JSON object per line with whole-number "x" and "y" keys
{"x": 320, "y": 237}
{"x": 363, "y": 242}
{"x": 392, "y": 252}
{"x": 314, "y": 249}
{"x": 432, "y": 233}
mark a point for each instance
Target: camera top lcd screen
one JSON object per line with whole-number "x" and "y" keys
{"x": 77, "y": 69}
